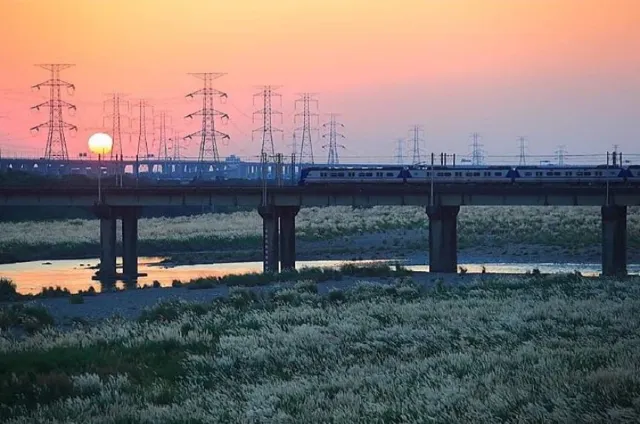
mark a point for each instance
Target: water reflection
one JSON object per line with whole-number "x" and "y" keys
{"x": 76, "y": 274}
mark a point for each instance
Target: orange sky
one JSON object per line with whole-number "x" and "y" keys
{"x": 558, "y": 71}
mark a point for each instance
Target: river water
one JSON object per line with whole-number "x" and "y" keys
{"x": 75, "y": 274}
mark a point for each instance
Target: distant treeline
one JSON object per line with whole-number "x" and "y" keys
{"x": 28, "y": 213}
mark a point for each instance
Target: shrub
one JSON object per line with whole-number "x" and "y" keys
{"x": 8, "y": 290}
{"x": 76, "y": 299}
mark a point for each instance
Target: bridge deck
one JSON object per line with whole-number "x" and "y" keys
{"x": 326, "y": 195}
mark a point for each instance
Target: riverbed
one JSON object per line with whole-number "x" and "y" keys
{"x": 76, "y": 274}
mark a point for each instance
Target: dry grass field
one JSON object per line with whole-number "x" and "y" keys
{"x": 478, "y": 226}
{"x": 553, "y": 349}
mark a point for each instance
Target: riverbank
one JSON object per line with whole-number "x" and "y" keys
{"x": 324, "y": 232}
{"x": 497, "y": 349}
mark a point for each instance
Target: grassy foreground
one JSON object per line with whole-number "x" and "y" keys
{"x": 548, "y": 349}
{"x": 573, "y": 227}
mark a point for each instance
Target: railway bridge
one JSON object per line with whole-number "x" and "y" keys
{"x": 278, "y": 207}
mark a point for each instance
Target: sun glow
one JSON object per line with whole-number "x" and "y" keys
{"x": 100, "y": 143}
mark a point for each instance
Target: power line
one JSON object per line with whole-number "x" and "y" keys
{"x": 116, "y": 120}
{"x": 416, "y": 131}
{"x": 56, "y": 147}
{"x": 267, "y": 150}
{"x": 208, "y": 132}
{"x": 523, "y": 148}
{"x": 333, "y": 135}
{"x": 306, "y": 146}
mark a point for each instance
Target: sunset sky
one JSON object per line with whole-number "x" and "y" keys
{"x": 560, "y": 72}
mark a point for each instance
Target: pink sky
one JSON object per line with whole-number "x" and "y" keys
{"x": 557, "y": 71}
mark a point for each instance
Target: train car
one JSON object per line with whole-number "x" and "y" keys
{"x": 570, "y": 174}
{"x": 633, "y": 173}
{"x": 460, "y": 174}
{"x": 343, "y": 175}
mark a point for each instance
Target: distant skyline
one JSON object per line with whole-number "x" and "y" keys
{"x": 560, "y": 72}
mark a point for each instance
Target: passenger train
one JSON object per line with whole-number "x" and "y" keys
{"x": 587, "y": 174}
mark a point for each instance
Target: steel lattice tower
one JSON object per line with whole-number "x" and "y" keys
{"x": 306, "y": 146}
{"x": 476, "y": 153}
{"x": 268, "y": 149}
{"x": 333, "y": 134}
{"x": 416, "y": 132}
{"x": 208, "y": 133}
{"x": 561, "y": 152}
{"x": 176, "y": 145}
{"x": 142, "y": 130}
{"x": 399, "y": 152}
{"x": 523, "y": 149}
{"x": 163, "y": 148}
{"x": 116, "y": 120}
{"x": 56, "y": 143}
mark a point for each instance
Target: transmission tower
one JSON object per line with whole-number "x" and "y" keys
{"x": 268, "y": 149}
{"x": 399, "y": 152}
{"x": 56, "y": 143}
{"x": 176, "y": 145}
{"x": 416, "y": 132}
{"x": 208, "y": 133}
{"x": 561, "y": 153}
{"x": 143, "y": 145}
{"x": 116, "y": 119}
{"x": 161, "y": 125}
{"x": 523, "y": 150}
{"x": 306, "y": 146}
{"x": 333, "y": 136}
{"x": 476, "y": 152}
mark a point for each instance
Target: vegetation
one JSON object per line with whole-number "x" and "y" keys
{"x": 533, "y": 349}
{"x": 571, "y": 227}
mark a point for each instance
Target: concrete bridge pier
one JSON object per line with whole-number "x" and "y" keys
{"x": 270, "y": 238}
{"x": 288, "y": 236}
{"x": 443, "y": 238}
{"x": 130, "y": 217}
{"x": 614, "y": 240}
{"x": 107, "y": 271}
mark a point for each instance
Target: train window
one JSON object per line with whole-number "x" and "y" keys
{"x": 487, "y": 174}
{"x": 587, "y": 174}
{"x": 528, "y": 174}
{"x": 369, "y": 174}
{"x": 549, "y": 174}
{"x": 389, "y": 174}
{"x": 498, "y": 174}
{"x": 538, "y": 174}
{"x": 379, "y": 174}
{"x": 579, "y": 174}
{"x": 599, "y": 173}
{"x": 361, "y": 174}
{"x": 447, "y": 174}
{"x": 323, "y": 174}
{"x": 341, "y": 174}
{"x": 439, "y": 174}
{"x": 458, "y": 174}
{"x": 476, "y": 174}
{"x": 469, "y": 174}
{"x": 568, "y": 173}
{"x": 557, "y": 174}
{"x": 428, "y": 174}
{"x": 333, "y": 174}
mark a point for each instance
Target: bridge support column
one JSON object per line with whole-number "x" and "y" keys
{"x": 270, "y": 238}
{"x": 443, "y": 238}
{"x": 107, "y": 271}
{"x": 614, "y": 240}
{"x": 287, "y": 216}
{"x": 130, "y": 217}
